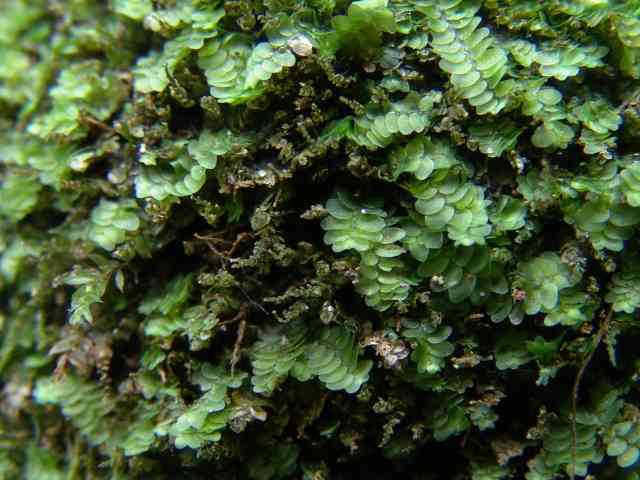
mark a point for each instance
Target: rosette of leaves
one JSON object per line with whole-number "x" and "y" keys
{"x": 169, "y": 313}
{"x": 587, "y": 15}
{"x": 492, "y": 290}
{"x": 558, "y": 448}
{"x": 600, "y": 120}
{"x": 171, "y": 297}
{"x": 141, "y": 435}
{"x": 188, "y": 164}
{"x": 265, "y": 61}
{"x": 624, "y": 289}
{"x": 359, "y": 32}
{"x": 543, "y": 189}
{"x": 430, "y": 345}
{"x": 286, "y": 30}
{"x": 275, "y": 354}
{"x": 623, "y": 438}
{"x": 197, "y": 323}
{"x": 508, "y": 213}
{"x": 598, "y": 178}
{"x": 522, "y": 51}
{"x": 203, "y": 420}
{"x": 558, "y": 59}
{"x": 113, "y": 222}
{"x": 91, "y": 285}
{"x": 180, "y": 176}
{"x": 236, "y": 70}
{"x": 83, "y": 89}
{"x": 421, "y": 157}
{"x": 498, "y": 306}
{"x": 384, "y": 278}
{"x": 224, "y": 61}
{"x": 459, "y": 272}
{"x": 511, "y": 351}
{"x": 334, "y": 358}
{"x": 50, "y": 161}
{"x": 574, "y": 308}
{"x": 563, "y": 61}
{"x": 165, "y": 18}
{"x": 86, "y": 404}
{"x": 210, "y": 146}
{"x": 604, "y": 221}
{"x": 395, "y": 84}
{"x": 494, "y": 138}
{"x": 377, "y": 127}
{"x": 353, "y": 224}
{"x": 153, "y": 72}
{"x": 602, "y": 215}
{"x": 545, "y": 104}
{"x": 448, "y": 418}
{"x": 539, "y": 470}
{"x": 541, "y": 279}
{"x": 451, "y": 203}
{"x": 482, "y": 415}
{"x": 467, "y": 53}
{"x": 419, "y": 240}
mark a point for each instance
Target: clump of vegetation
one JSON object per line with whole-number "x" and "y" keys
{"x": 319, "y": 239}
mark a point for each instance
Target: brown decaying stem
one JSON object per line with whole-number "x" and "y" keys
{"x": 235, "y": 356}
{"x": 241, "y": 316}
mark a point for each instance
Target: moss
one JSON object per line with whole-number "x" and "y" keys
{"x": 210, "y": 209}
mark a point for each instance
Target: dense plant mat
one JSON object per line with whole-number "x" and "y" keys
{"x": 319, "y": 239}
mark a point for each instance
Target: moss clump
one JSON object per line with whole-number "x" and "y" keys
{"x": 319, "y": 239}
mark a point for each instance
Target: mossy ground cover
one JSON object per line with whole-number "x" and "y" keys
{"x": 319, "y": 239}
